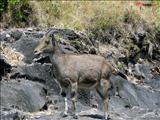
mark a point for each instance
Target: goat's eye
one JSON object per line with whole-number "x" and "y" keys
{"x": 47, "y": 42}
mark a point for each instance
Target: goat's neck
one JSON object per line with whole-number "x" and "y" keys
{"x": 57, "y": 51}
{"x": 54, "y": 57}
{"x": 50, "y": 56}
{"x": 56, "y": 62}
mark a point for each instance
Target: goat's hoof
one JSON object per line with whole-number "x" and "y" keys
{"x": 64, "y": 114}
{"x": 75, "y": 116}
{"x": 107, "y": 118}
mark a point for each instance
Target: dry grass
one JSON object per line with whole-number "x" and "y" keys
{"x": 12, "y": 57}
{"x": 80, "y": 15}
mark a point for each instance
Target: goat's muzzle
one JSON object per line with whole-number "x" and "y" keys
{"x": 36, "y": 52}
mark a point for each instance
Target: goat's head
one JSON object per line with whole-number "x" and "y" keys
{"x": 46, "y": 45}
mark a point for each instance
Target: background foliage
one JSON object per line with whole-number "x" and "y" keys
{"x": 79, "y": 15}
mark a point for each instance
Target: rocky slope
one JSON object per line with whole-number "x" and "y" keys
{"x": 29, "y": 90}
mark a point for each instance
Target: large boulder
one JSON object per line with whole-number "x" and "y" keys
{"x": 23, "y": 94}
{"x": 42, "y": 73}
{"x": 136, "y": 95}
{"x": 26, "y": 46}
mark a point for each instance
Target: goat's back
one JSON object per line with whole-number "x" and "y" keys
{"x": 86, "y": 66}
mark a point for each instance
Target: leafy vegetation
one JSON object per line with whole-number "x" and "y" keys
{"x": 17, "y": 12}
{"x": 3, "y": 6}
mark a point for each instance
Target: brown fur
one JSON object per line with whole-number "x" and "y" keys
{"x": 78, "y": 71}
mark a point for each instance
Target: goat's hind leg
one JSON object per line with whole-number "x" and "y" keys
{"x": 74, "y": 88}
{"x": 102, "y": 90}
{"x": 64, "y": 95}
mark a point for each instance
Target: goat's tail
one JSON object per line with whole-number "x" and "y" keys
{"x": 116, "y": 72}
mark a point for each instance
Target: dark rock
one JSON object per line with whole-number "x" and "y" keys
{"x": 156, "y": 51}
{"x": 42, "y": 73}
{"x": 136, "y": 95}
{"x": 65, "y": 33}
{"x": 38, "y": 35}
{"x": 138, "y": 34}
{"x": 4, "y": 67}
{"x": 26, "y": 76}
{"x": 24, "y": 95}
{"x": 93, "y": 50}
{"x": 110, "y": 35}
{"x": 35, "y": 70}
{"x": 42, "y": 60}
{"x": 157, "y": 35}
{"x": 5, "y": 36}
{"x": 26, "y": 46}
{"x": 68, "y": 49}
{"x": 34, "y": 34}
{"x": 11, "y": 114}
{"x": 141, "y": 34}
{"x": 16, "y": 34}
{"x": 155, "y": 82}
{"x": 143, "y": 70}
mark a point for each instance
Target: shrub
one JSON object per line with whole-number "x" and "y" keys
{"x": 17, "y": 12}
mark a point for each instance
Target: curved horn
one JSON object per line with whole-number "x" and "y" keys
{"x": 54, "y": 41}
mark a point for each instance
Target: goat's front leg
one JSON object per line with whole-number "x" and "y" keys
{"x": 74, "y": 88}
{"x": 64, "y": 95}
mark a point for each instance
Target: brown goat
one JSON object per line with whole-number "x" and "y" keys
{"x": 75, "y": 71}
